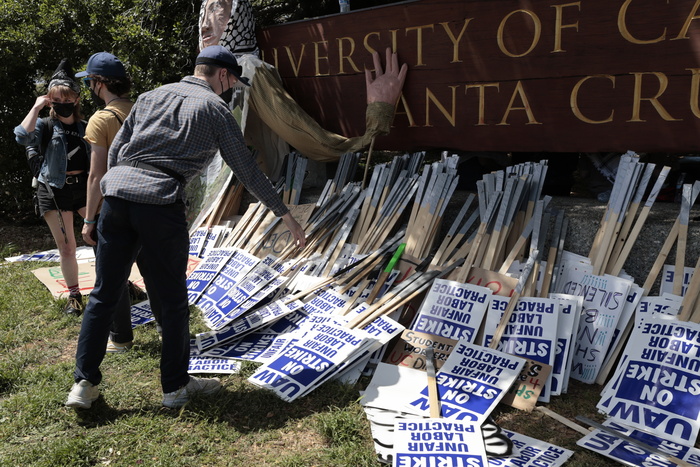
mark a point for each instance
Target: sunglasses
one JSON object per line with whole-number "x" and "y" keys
{"x": 86, "y": 81}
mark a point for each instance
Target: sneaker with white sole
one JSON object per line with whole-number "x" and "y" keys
{"x": 200, "y": 386}
{"x": 82, "y": 395}
{"x": 115, "y": 347}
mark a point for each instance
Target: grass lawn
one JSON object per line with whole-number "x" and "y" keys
{"x": 243, "y": 425}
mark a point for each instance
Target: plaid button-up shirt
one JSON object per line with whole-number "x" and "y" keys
{"x": 180, "y": 127}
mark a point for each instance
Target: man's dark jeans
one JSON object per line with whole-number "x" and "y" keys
{"x": 160, "y": 232}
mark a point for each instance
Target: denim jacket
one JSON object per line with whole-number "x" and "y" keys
{"x": 53, "y": 169}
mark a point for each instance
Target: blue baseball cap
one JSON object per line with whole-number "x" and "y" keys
{"x": 103, "y": 64}
{"x": 223, "y": 58}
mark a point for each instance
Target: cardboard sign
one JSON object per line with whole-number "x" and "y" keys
{"x": 657, "y": 385}
{"x": 435, "y": 441}
{"x": 410, "y": 351}
{"x": 452, "y": 310}
{"x": 279, "y": 238}
{"x": 526, "y": 390}
{"x": 634, "y": 455}
{"x": 471, "y": 382}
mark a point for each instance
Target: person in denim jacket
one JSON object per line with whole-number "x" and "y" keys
{"x": 63, "y": 174}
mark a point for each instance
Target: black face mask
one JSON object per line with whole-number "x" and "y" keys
{"x": 96, "y": 99}
{"x": 63, "y": 110}
{"x": 227, "y": 96}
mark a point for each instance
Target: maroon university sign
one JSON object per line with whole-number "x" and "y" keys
{"x": 507, "y": 75}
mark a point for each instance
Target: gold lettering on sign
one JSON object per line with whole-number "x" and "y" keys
{"x": 482, "y": 98}
{"x": 450, "y": 116}
{"x": 455, "y": 40}
{"x": 694, "y": 91}
{"x": 406, "y": 111}
{"x": 558, "y": 25}
{"x": 622, "y": 27}
{"x": 348, "y": 57}
{"x": 419, "y": 41}
{"x": 290, "y": 54}
{"x": 520, "y": 91}
{"x": 365, "y": 42}
{"x": 535, "y": 35}
{"x": 318, "y": 57}
{"x": 274, "y": 60}
{"x": 663, "y": 83}
{"x": 683, "y": 34}
{"x": 394, "y": 40}
{"x": 574, "y": 100}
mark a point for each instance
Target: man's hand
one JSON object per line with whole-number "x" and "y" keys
{"x": 295, "y": 229}
{"x": 386, "y": 86}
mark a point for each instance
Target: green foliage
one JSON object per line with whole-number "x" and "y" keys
{"x": 156, "y": 40}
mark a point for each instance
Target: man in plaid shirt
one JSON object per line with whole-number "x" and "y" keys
{"x": 170, "y": 136}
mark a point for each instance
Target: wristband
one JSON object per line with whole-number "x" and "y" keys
{"x": 88, "y": 222}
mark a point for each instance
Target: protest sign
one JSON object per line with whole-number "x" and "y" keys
{"x": 667, "y": 304}
{"x": 234, "y": 269}
{"x": 532, "y": 452}
{"x": 410, "y": 351}
{"x": 668, "y": 278}
{"x": 141, "y": 313}
{"x": 633, "y": 454}
{"x": 530, "y": 383}
{"x": 199, "y": 364}
{"x": 301, "y": 365}
{"x": 278, "y": 239}
{"x": 435, "y": 441}
{"x": 197, "y": 241}
{"x": 206, "y": 271}
{"x": 657, "y": 386}
{"x": 569, "y": 313}
{"x": 604, "y": 298}
{"x": 452, "y": 310}
{"x": 471, "y": 382}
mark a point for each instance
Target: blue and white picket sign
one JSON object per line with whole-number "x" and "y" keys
{"x": 667, "y": 304}
{"x": 531, "y": 332}
{"x": 141, "y": 313}
{"x": 207, "y": 365}
{"x": 226, "y": 309}
{"x": 197, "y": 240}
{"x": 604, "y": 298}
{"x": 634, "y": 455}
{"x": 569, "y": 312}
{"x": 298, "y": 367}
{"x": 245, "y": 325}
{"x": 471, "y": 382}
{"x": 205, "y": 272}
{"x": 393, "y": 388}
{"x": 326, "y": 301}
{"x": 453, "y": 310}
{"x": 260, "y": 346}
{"x": 214, "y": 238}
{"x": 235, "y": 268}
{"x": 657, "y": 386}
{"x": 437, "y": 442}
{"x": 668, "y": 276}
{"x": 532, "y": 452}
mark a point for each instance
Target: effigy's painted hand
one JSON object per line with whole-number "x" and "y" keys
{"x": 386, "y": 85}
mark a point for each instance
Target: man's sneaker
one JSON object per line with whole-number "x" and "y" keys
{"x": 82, "y": 395}
{"x": 203, "y": 386}
{"x": 74, "y": 306}
{"x": 115, "y": 347}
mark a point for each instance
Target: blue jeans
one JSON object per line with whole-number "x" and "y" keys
{"x": 160, "y": 232}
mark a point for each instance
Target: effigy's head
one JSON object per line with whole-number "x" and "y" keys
{"x": 229, "y": 23}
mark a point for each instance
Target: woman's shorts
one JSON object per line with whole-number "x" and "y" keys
{"x": 71, "y": 197}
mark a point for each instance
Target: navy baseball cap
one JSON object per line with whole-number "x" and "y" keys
{"x": 223, "y": 58}
{"x": 103, "y": 64}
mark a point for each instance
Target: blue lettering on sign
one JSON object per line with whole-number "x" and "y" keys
{"x": 435, "y": 460}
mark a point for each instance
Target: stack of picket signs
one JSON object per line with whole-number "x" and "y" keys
{"x": 445, "y": 322}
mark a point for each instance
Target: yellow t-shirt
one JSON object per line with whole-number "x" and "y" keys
{"x": 103, "y": 125}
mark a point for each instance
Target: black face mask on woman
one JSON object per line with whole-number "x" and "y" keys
{"x": 64, "y": 110}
